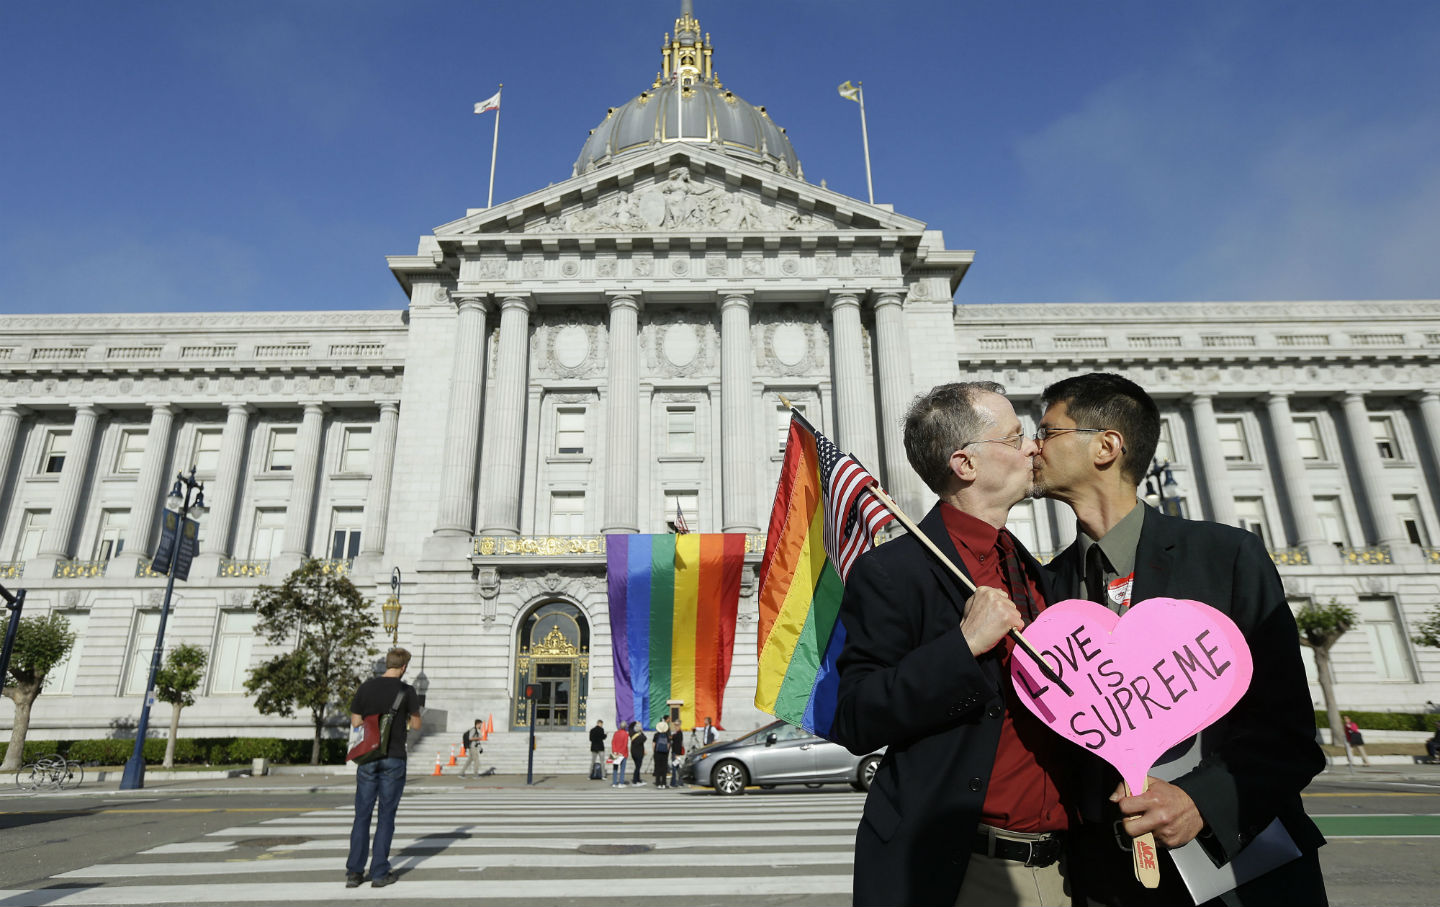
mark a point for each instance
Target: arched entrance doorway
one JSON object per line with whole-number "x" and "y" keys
{"x": 554, "y": 654}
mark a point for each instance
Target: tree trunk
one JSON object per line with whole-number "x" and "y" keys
{"x": 174, "y": 732}
{"x": 24, "y": 696}
{"x": 319, "y": 718}
{"x": 1327, "y": 690}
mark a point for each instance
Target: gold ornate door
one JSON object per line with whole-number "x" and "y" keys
{"x": 554, "y": 658}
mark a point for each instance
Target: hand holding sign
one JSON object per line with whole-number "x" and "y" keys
{"x": 1141, "y": 683}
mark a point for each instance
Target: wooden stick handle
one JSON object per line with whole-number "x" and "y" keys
{"x": 1020, "y": 640}
{"x": 1147, "y": 860}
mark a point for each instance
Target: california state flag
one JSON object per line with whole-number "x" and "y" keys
{"x": 490, "y": 103}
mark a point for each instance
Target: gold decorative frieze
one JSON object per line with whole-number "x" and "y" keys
{"x": 1432, "y": 555}
{"x": 554, "y": 643}
{"x": 340, "y": 566}
{"x": 142, "y": 570}
{"x": 1379, "y": 554}
{"x": 232, "y": 567}
{"x": 77, "y": 569}
{"x": 1290, "y": 557}
{"x": 12, "y": 570}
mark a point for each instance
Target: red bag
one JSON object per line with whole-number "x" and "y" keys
{"x": 370, "y": 739}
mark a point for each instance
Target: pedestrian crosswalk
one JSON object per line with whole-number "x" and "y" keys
{"x": 538, "y": 846}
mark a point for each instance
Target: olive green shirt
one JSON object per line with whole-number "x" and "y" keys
{"x": 1118, "y": 546}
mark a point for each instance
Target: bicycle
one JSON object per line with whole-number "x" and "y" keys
{"x": 52, "y": 772}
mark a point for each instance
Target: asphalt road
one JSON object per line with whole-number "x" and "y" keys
{"x": 564, "y": 840}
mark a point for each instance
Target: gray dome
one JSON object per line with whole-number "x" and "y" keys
{"x": 708, "y": 114}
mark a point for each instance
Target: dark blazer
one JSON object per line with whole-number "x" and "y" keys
{"x": 1254, "y": 761}
{"x": 909, "y": 682}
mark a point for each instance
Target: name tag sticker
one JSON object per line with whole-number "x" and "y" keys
{"x": 1119, "y": 590}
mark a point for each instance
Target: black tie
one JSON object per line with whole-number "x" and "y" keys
{"x": 1014, "y": 574}
{"x": 1095, "y": 575}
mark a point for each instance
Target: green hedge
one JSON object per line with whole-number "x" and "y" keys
{"x": 188, "y": 750}
{"x": 1384, "y": 721}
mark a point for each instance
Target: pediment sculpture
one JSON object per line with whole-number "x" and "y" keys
{"x": 680, "y": 203}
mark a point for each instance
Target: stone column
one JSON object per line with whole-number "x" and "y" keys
{"x": 856, "y": 433}
{"x": 622, "y": 428}
{"x": 382, "y": 464}
{"x": 505, "y": 424}
{"x": 462, "y": 433}
{"x": 10, "y": 416}
{"x": 302, "y": 485}
{"x": 72, "y": 479}
{"x": 151, "y": 482}
{"x": 1292, "y": 472}
{"x": 1212, "y": 460}
{"x": 1429, "y": 416}
{"x": 737, "y": 416}
{"x": 229, "y": 478}
{"x": 1376, "y": 498}
{"x": 893, "y": 375}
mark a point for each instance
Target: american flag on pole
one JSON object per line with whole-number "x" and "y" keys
{"x": 681, "y": 527}
{"x": 852, "y": 514}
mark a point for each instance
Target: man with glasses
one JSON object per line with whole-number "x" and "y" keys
{"x": 965, "y": 808}
{"x": 1226, "y": 786}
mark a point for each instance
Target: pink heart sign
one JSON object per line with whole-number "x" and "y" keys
{"x": 1141, "y": 683}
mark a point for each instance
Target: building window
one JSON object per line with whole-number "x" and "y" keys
{"x": 1165, "y": 447}
{"x": 1408, "y": 508}
{"x": 61, "y": 678}
{"x": 206, "y": 455}
{"x": 142, "y": 650}
{"x": 1383, "y": 429}
{"x": 570, "y": 430}
{"x": 355, "y": 451}
{"x": 1232, "y": 440}
{"x": 32, "y": 530}
{"x": 345, "y": 525}
{"x": 1332, "y": 521}
{"x": 1251, "y": 513}
{"x": 567, "y": 512}
{"x": 57, "y": 443}
{"x": 1389, "y": 648}
{"x": 1307, "y": 437}
{"x": 782, "y": 424}
{"x": 1021, "y": 523}
{"x": 281, "y": 455}
{"x": 130, "y": 452}
{"x": 680, "y": 430}
{"x": 686, "y": 503}
{"x": 267, "y": 534}
{"x": 233, "y": 639}
{"x": 110, "y": 540}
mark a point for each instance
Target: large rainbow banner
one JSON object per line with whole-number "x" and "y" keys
{"x": 673, "y": 603}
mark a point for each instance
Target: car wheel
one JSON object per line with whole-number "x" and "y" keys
{"x": 730, "y": 778}
{"x": 866, "y": 773}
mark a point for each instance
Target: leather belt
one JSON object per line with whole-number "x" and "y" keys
{"x": 1035, "y": 851}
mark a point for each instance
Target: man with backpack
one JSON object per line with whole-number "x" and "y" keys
{"x": 381, "y": 779}
{"x": 470, "y": 743}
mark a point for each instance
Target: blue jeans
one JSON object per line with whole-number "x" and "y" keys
{"x": 617, "y": 773}
{"x": 383, "y": 779}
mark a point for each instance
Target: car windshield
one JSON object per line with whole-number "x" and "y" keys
{"x": 780, "y": 729}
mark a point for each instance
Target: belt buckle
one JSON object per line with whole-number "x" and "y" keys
{"x": 1030, "y": 855}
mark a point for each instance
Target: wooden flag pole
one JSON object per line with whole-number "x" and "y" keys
{"x": 1019, "y": 639}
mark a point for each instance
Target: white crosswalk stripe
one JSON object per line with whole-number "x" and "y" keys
{"x": 592, "y": 847}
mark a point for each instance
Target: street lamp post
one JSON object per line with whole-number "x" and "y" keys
{"x": 1161, "y": 490}
{"x": 187, "y": 496}
{"x": 391, "y": 609}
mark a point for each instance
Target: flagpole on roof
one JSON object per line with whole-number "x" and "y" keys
{"x": 856, "y": 92}
{"x": 495, "y": 146}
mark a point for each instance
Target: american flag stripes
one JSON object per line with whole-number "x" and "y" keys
{"x": 852, "y": 513}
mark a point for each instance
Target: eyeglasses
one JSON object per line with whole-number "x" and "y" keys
{"x": 1015, "y": 441}
{"x": 1042, "y": 434}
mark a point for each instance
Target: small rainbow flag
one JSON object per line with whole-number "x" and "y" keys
{"x": 673, "y": 603}
{"x": 823, "y": 519}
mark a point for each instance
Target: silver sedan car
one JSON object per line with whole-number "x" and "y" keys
{"x": 777, "y": 753}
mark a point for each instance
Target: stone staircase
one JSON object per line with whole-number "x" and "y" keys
{"x": 555, "y": 754}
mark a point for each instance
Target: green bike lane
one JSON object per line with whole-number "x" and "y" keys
{"x": 1379, "y": 826}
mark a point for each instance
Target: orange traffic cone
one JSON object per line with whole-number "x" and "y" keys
{"x": 452, "y": 754}
{"x": 437, "y": 771}
{"x": 464, "y": 752}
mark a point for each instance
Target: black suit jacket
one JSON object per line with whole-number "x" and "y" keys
{"x": 909, "y": 682}
{"x": 1257, "y": 759}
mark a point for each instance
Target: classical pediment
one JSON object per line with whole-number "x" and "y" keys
{"x": 680, "y": 189}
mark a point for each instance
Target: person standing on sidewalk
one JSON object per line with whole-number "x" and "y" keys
{"x": 597, "y": 752}
{"x": 470, "y": 742}
{"x": 677, "y": 754}
{"x": 383, "y": 779}
{"x": 637, "y": 749}
{"x": 619, "y": 751}
{"x": 662, "y": 753}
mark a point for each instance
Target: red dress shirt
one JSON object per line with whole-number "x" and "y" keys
{"x": 1022, "y": 795}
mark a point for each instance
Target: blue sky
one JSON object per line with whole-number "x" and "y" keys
{"x": 180, "y": 156}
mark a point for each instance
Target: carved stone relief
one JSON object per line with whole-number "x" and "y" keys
{"x": 790, "y": 340}
{"x": 678, "y": 343}
{"x": 567, "y": 344}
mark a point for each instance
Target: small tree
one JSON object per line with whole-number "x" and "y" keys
{"x": 175, "y": 683}
{"x": 1321, "y": 626}
{"x": 40, "y": 644}
{"x": 1429, "y": 628}
{"x": 331, "y": 625}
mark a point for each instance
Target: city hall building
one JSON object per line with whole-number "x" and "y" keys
{"x": 611, "y": 350}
